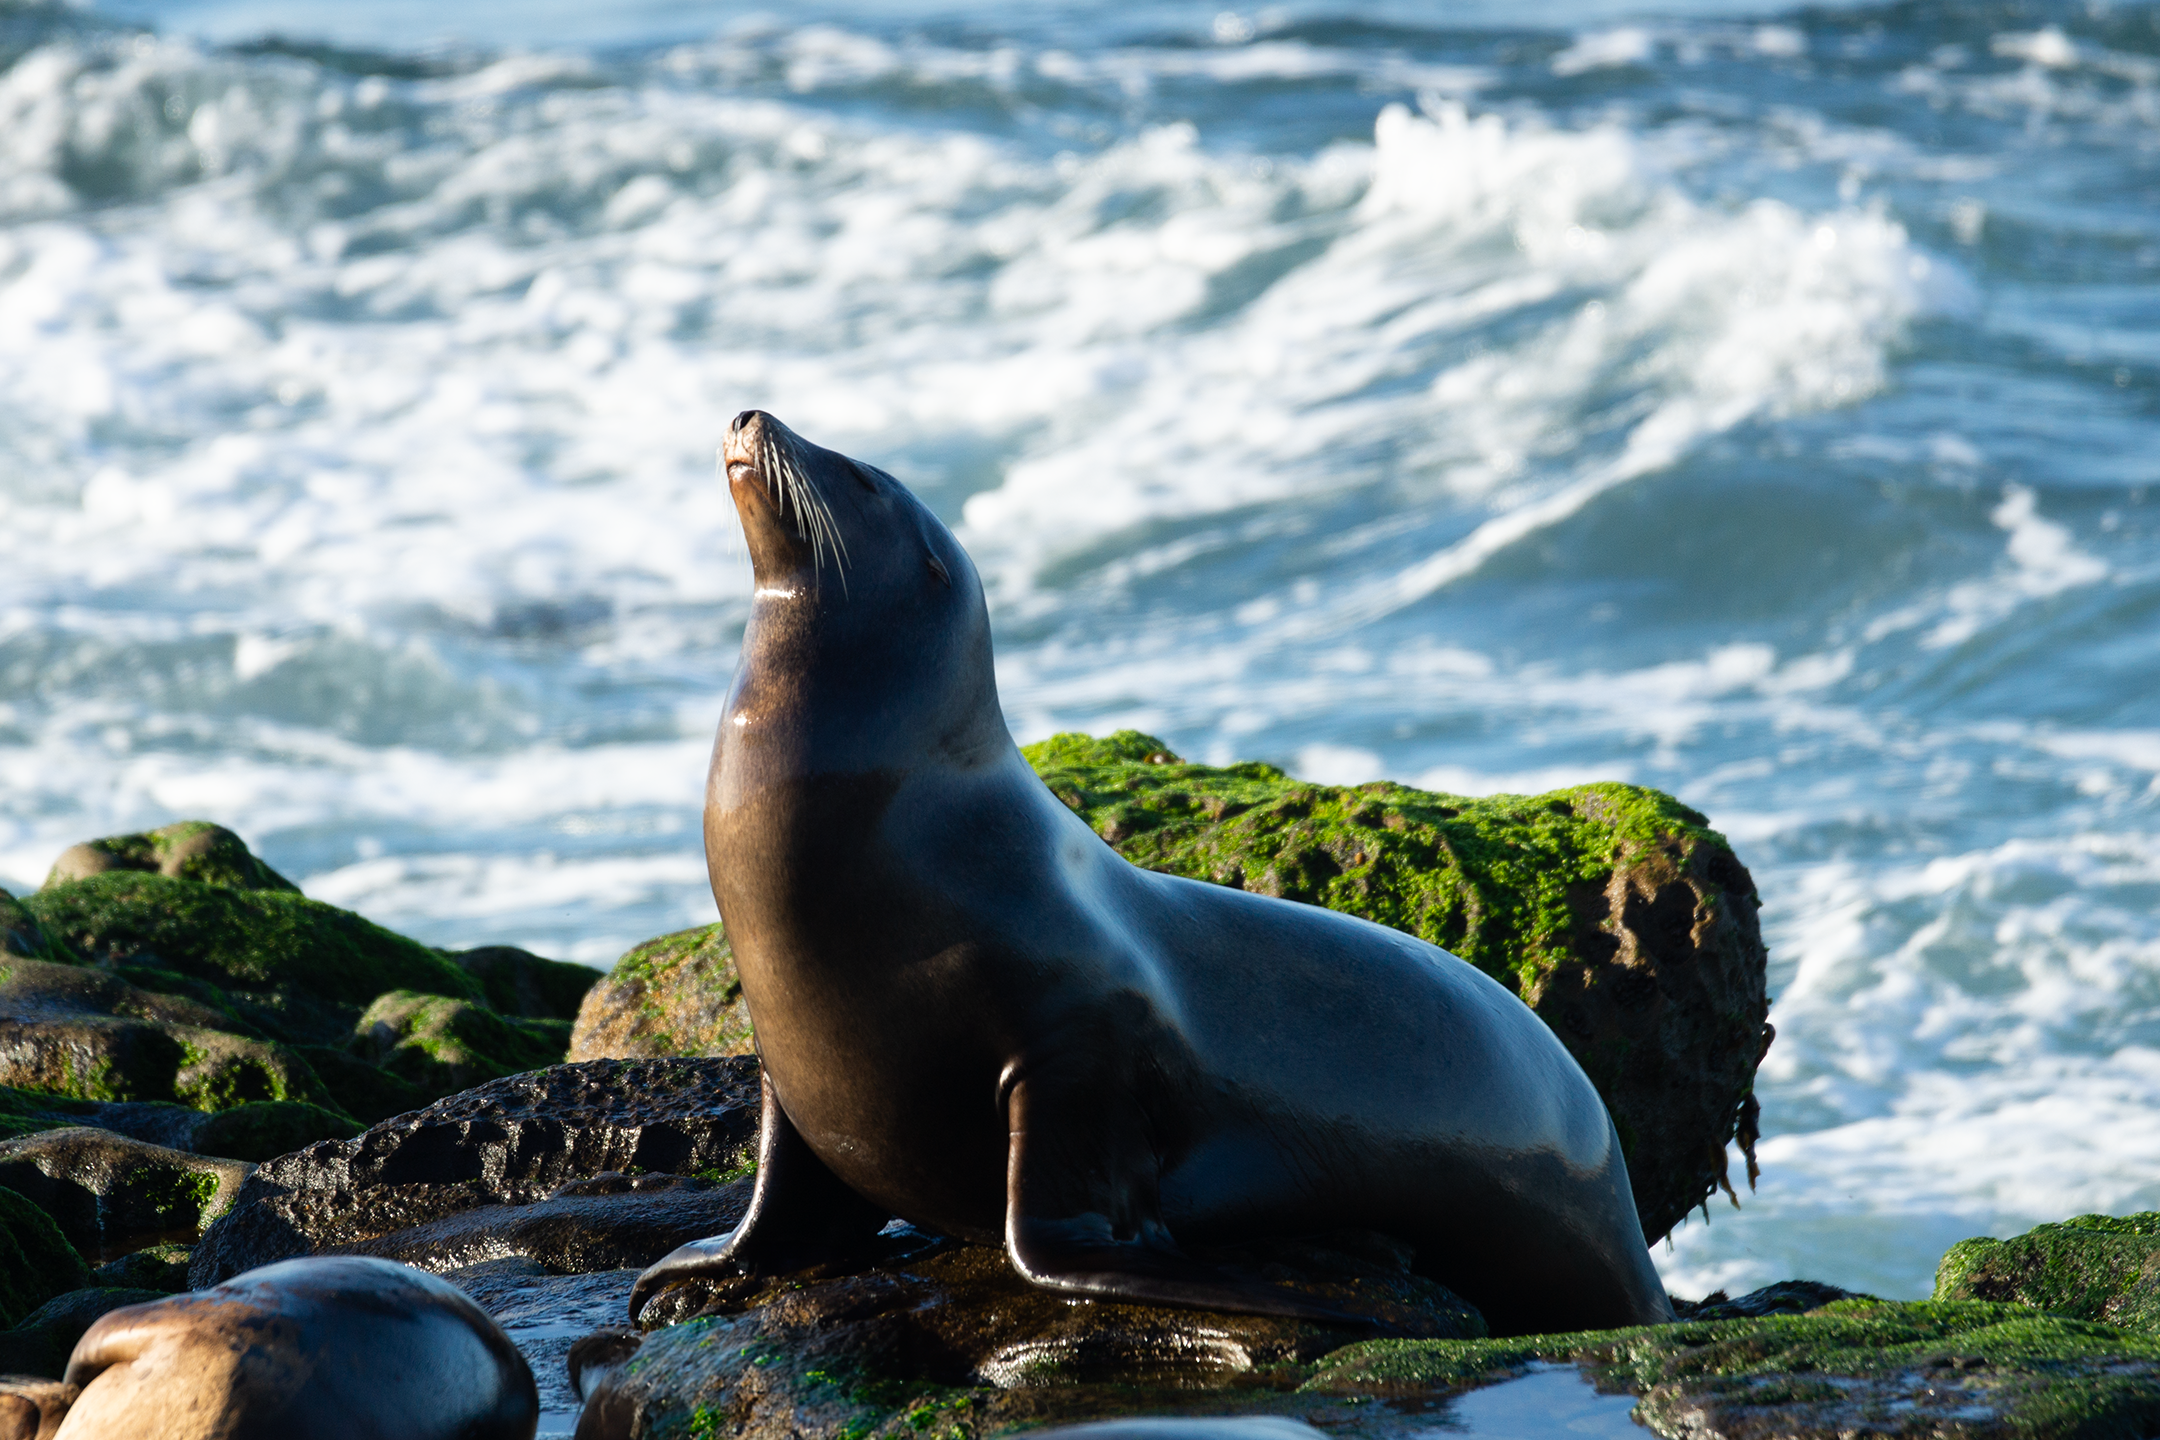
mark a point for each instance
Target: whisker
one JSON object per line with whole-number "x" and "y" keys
{"x": 814, "y": 521}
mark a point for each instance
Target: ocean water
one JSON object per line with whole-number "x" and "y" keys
{"x": 1759, "y": 404}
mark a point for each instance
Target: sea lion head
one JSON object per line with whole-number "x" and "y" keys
{"x": 863, "y": 599}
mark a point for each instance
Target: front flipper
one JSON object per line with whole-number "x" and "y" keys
{"x": 800, "y": 1215}
{"x": 1078, "y": 1179}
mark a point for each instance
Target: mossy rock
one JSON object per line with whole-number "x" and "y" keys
{"x": 1855, "y": 1367}
{"x": 519, "y": 983}
{"x": 193, "y": 850}
{"x": 363, "y": 1089}
{"x": 242, "y": 940}
{"x": 677, "y": 995}
{"x": 1615, "y": 911}
{"x": 2093, "y": 1267}
{"x": 24, "y": 1112}
{"x": 246, "y": 1132}
{"x": 84, "y": 1034}
{"x": 41, "y": 1343}
{"x": 271, "y": 1128}
{"x": 110, "y": 1194}
{"x": 162, "y": 1268}
{"x": 36, "y": 1260}
{"x": 449, "y": 1045}
{"x": 21, "y": 937}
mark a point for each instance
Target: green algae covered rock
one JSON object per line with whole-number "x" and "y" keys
{"x": 518, "y": 982}
{"x": 254, "y": 1131}
{"x": 1856, "y": 1367}
{"x": 36, "y": 1260}
{"x": 242, "y": 940}
{"x": 21, "y": 937}
{"x": 447, "y": 1045}
{"x": 175, "y": 966}
{"x": 87, "y": 1035}
{"x": 162, "y": 1268}
{"x": 188, "y": 850}
{"x": 2093, "y": 1267}
{"x": 1617, "y": 914}
{"x": 110, "y": 1194}
{"x": 677, "y": 995}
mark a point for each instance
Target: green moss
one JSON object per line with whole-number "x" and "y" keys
{"x": 1848, "y": 1367}
{"x": 517, "y": 982}
{"x": 699, "y": 958}
{"x": 196, "y": 850}
{"x": 159, "y": 1267}
{"x": 363, "y": 1090}
{"x": 2094, "y": 1267}
{"x": 434, "y": 1041}
{"x": 21, "y": 935}
{"x": 36, "y": 1261}
{"x": 1489, "y": 879}
{"x": 242, "y": 939}
{"x": 24, "y": 1112}
{"x": 678, "y": 994}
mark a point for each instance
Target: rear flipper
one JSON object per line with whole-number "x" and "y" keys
{"x": 800, "y": 1216}
{"x": 1062, "y": 1193}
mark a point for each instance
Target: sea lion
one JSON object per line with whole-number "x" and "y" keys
{"x": 343, "y": 1347}
{"x": 973, "y": 1014}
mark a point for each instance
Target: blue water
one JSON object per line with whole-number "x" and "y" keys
{"x": 1758, "y": 404}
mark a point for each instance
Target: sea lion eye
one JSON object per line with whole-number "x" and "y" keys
{"x": 937, "y": 568}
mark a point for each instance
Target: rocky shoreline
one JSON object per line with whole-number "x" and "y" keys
{"x": 203, "y": 1072}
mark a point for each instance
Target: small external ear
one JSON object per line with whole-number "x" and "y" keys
{"x": 864, "y": 473}
{"x": 937, "y": 568}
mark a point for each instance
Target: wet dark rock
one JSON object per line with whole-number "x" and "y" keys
{"x": 2093, "y": 1267}
{"x": 36, "y": 1260}
{"x": 512, "y": 1142}
{"x": 110, "y": 1195}
{"x": 937, "y": 1333}
{"x": 580, "y": 1228}
{"x": 40, "y": 1343}
{"x": 1786, "y": 1297}
{"x": 676, "y": 995}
